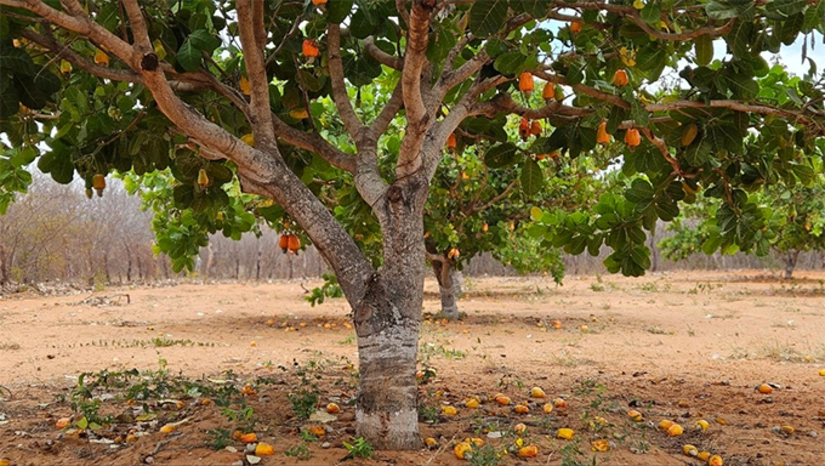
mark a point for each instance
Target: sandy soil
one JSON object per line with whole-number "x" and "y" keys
{"x": 684, "y": 347}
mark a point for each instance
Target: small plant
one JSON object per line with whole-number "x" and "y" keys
{"x": 303, "y": 402}
{"x": 428, "y": 414}
{"x": 300, "y": 451}
{"x": 218, "y": 439}
{"x": 597, "y": 287}
{"x": 359, "y": 448}
{"x": 485, "y": 456}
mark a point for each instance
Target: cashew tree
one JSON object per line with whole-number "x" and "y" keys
{"x": 231, "y": 90}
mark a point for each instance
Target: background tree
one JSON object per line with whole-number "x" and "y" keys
{"x": 795, "y": 223}
{"x": 142, "y": 86}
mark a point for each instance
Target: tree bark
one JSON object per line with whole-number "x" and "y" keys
{"x": 790, "y": 263}
{"x": 448, "y": 286}
{"x": 388, "y": 322}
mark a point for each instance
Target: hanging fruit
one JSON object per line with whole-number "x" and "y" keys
{"x": 248, "y": 139}
{"x": 575, "y": 27}
{"x": 535, "y": 128}
{"x": 244, "y": 85}
{"x": 99, "y": 183}
{"x": 451, "y": 141}
{"x": 601, "y": 135}
{"x": 293, "y": 244}
{"x": 524, "y": 128}
{"x": 283, "y": 242}
{"x": 525, "y": 84}
{"x": 453, "y": 254}
{"x": 631, "y": 138}
{"x": 620, "y": 78}
{"x": 319, "y": 2}
{"x": 548, "y": 93}
{"x": 203, "y": 178}
{"x": 65, "y": 67}
{"x": 101, "y": 58}
{"x": 310, "y": 49}
{"x": 689, "y": 133}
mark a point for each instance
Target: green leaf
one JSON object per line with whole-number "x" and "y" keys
{"x": 784, "y": 8}
{"x": 204, "y": 41}
{"x": 501, "y": 155}
{"x": 532, "y": 178}
{"x": 23, "y": 157}
{"x": 508, "y": 63}
{"x": 29, "y": 93}
{"x": 721, "y": 10}
{"x": 652, "y": 12}
{"x": 639, "y": 113}
{"x": 189, "y": 56}
{"x": 534, "y": 8}
{"x": 640, "y": 192}
{"x": 338, "y": 10}
{"x": 440, "y": 44}
{"x": 17, "y": 61}
{"x": 575, "y": 74}
{"x": 488, "y": 17}
{"x": 703, "y": 45}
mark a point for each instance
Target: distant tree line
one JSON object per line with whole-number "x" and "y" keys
{"x": 54, "y": 233}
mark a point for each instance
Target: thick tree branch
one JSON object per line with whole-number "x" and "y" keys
{"x": 261, "y": 122}
{"x": 390, "y": 110}
{"x": 453, "y": 78}
{"x": 82, "y": 25}
{"x": 138, "y": 25}
{"x": 65, "y": 53}
{"x": 313, "y": 142}
{"x": 415, "y": 59}
{"x": 381, "y": 56}
{"x": 633, "y": 14}
{"x": 339, "y": 86}
{"x": 258, "y": 26}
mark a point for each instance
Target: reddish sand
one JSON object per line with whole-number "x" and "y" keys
{"x": 682, "y": 346}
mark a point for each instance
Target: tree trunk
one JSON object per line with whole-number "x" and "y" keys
{"x": 4, "y": 275}
{"x": 448, "y": 287}
{"x": 388, "y": 322}
{"x": 790, "y": 263}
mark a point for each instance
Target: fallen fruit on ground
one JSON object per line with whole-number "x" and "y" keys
{"x": 522, "y": 408}
{"x": 715, "y": 460}
{"x": 675, "y": 430}
{"x": 63, "y": 422}
{"x": 703, "y": 455}
{"x": 665, "y": 424}
{"x": 449, "y": 411}
{"x": 547, "y": 408}
{"x": 472, "y": 403}
{"x": 537, "y": 392}
{"x": 168, "y": 428}
{"x": 600, "y": 445}
{"x": 461, "y": 449}
{"x": 560, "y": 403}
{"x": 635, "y": 416}
{"x": 822, "y": 372}
{"x": 520, "y": 428}
{"x": 502, "y": 400}
{"x": 565, "y": 433}
{"x": 430, "y": 442}
{"x": 690, "y": 450}
{"x": 317, "y": 431}
{"x": 264, "y": 449}
{"x": 765, "y": 389}
{"x": 249, "y": 438}
{"x": 701, "y": 424}
{"x": 787, "y": 430}
{"x": 479, "y": 442}
{"x": 529, "y": 451}
{"x": 333, "y": 408}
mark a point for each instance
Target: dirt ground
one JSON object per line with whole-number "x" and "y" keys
{"x": 216, "y": 358}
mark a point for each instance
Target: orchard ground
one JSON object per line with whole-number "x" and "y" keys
{"x": 682, "y": 346}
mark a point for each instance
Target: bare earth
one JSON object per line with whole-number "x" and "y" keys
{"x": 683, "y": 347}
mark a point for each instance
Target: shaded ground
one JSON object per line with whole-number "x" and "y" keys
{"x": 683, "y": 347}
